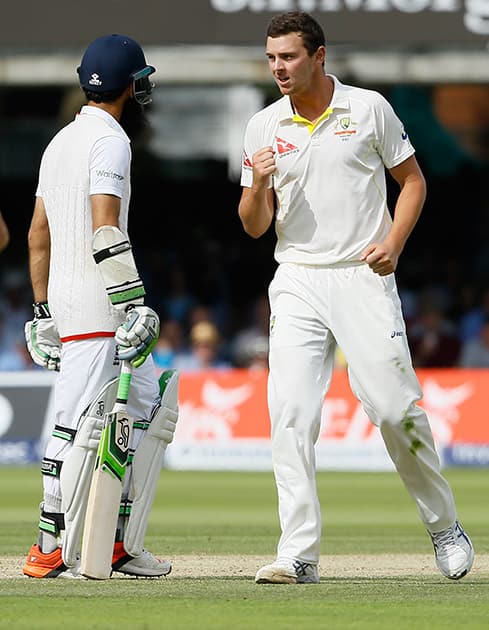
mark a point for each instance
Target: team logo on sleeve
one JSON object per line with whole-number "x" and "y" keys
{"x": 273, "y": 320}
{"x": 284, "y": 147}
{"x": 404, "y": 135}
{"x": 246, "y": 161}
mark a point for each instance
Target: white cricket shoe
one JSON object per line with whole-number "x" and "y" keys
{"x": 146, "y": 565}
{"x": 454, "y": 553}
{"x": 288, "y": 572}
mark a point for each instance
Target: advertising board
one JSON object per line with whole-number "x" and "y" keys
{"x": 224, "y": 424}
{"x": 242, "y": 22}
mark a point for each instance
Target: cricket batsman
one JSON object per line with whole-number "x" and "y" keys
{"x": 90, "y": 315}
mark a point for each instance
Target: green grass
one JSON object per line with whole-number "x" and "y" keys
{"x": 236, "y": 513}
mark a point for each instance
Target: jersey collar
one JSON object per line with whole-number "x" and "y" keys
{"x": 340, "y": 100}
{"x": 90, "y": 110}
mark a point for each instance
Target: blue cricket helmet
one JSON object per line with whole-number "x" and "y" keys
{"x": 113, "y": 62}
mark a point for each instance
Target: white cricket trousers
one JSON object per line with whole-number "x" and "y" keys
{"x": 86, "y": 366}
{"x": 312, "y": 310}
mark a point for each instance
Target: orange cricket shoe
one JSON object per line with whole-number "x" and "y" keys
{"x": 46, "y": 565}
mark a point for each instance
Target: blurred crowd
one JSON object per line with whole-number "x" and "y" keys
{"x": 444, "y": 329}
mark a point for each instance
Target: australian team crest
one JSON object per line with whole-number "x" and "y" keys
{"x": 345, "y": 127}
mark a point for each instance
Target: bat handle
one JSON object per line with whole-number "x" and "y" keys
{"x": 124, "y": 383}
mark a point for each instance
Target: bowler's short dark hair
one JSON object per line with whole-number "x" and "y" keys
{"x": 301, "y": 23}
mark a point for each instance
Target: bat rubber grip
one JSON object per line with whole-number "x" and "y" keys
{"x": 123, "y": 388}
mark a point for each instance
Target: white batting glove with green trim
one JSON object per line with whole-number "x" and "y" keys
{"x": 137, "y": 336}
{"x": 42, "y": 338}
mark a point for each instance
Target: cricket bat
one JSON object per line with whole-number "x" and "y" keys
{"x": 106, "y": 485}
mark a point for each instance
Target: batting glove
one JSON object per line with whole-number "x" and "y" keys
{"x": 42, "y": 338}
{"x": 137, "y": 336}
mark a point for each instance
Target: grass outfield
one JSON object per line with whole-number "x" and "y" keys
{"x": 377, "y": 564}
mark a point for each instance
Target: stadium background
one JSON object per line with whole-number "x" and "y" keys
{"x": 429, "y": 57}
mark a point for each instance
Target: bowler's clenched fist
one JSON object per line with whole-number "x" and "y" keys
{"x": 263, "y": 165}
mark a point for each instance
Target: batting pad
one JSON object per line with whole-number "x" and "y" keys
{"x": 147, "y": 463}
{"x": 77, "y": 469}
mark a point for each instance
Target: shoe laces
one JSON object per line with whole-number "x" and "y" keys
{"x": 445, "y": 539}
{"x": 300, "y": 567}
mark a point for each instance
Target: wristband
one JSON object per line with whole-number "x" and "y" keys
{"x": 41, "y": 310}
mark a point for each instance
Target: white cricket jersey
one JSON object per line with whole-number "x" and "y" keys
{"x": 91, "y": 155}
{"x": 330, "y": 181}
